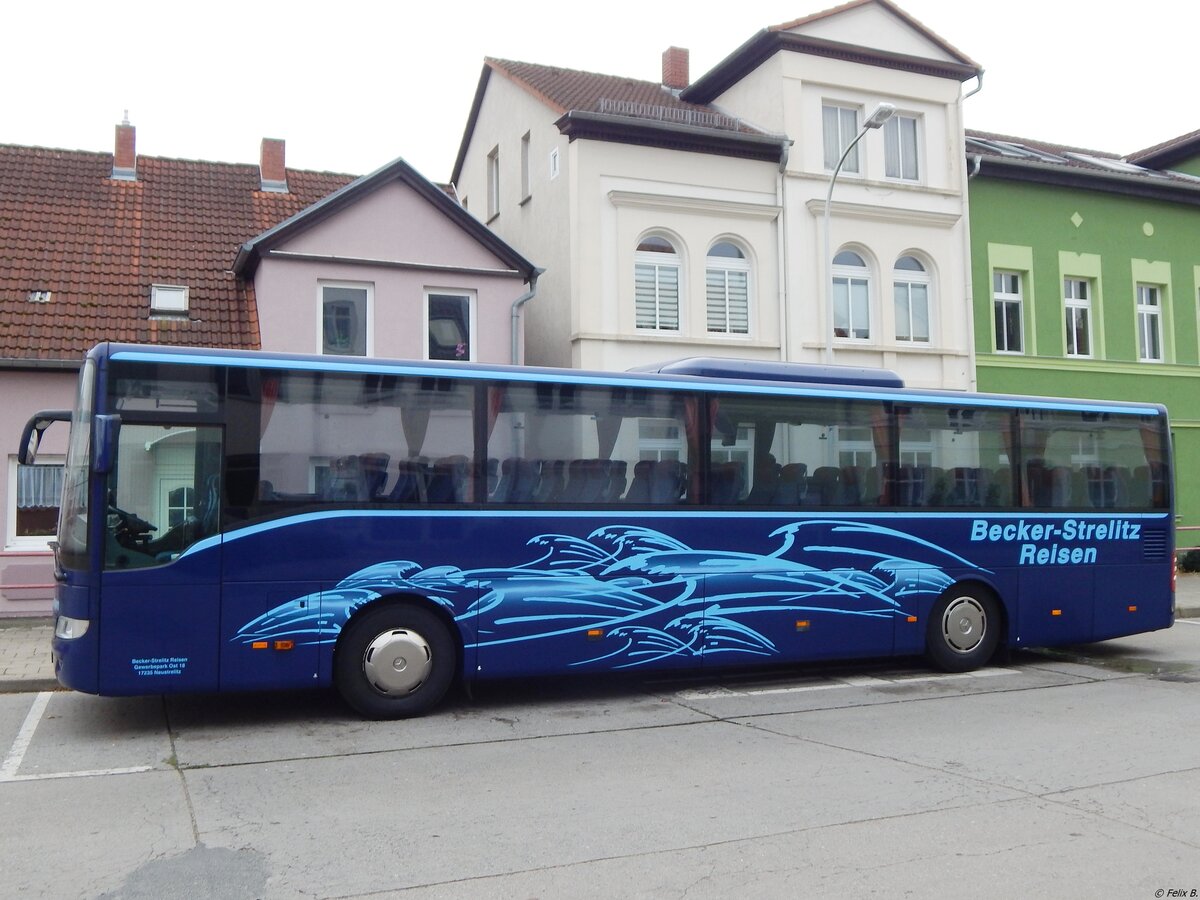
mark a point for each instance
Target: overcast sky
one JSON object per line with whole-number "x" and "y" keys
{"x": 354, "y": 84}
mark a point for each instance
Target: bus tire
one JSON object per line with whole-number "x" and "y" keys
{"x": 394, "y": 661}
{"x": 963, "y": 629}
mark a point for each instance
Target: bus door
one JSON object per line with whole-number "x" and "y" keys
{"x": 159, "y": 603}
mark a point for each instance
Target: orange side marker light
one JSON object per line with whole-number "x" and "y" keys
{"x": 594, "y": 634}
{"x": 1056, "y": 612}
{"x": 284, "y": 645}
{"x": 912, "y": 619}
{"x": 259, "y": 645}
{"x": 802, "y": 624}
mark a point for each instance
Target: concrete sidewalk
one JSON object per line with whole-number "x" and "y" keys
{"x": 25, "y": 643}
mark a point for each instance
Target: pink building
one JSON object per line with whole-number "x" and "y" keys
{"x": 97, "y": 247}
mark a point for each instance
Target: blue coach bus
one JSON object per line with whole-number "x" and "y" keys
{"x": 241, "y": 521}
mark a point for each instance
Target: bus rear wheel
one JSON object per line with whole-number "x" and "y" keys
{"x": 394, "y": 662}
{"x": 963, "y": 630}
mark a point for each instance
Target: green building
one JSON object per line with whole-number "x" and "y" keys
{"x": 1085, "y": 269}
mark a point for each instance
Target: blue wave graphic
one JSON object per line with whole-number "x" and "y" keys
{"x": 651, "y": 596}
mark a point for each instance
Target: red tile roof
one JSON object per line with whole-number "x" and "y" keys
{"x": 98, "y": 244}
{"x": 564, "y": 90}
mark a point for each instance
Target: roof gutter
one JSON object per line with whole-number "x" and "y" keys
{"x": 516, "y": 314}
{"x": 63, "y": 364}
{"x": 1090, "y": 179}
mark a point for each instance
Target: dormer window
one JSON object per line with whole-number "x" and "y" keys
{"x": 168, "y": 298}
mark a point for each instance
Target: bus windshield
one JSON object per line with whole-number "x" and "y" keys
{"x": 73, "y": 515}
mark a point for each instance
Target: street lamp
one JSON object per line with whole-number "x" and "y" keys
{"x": 878, "y": 116}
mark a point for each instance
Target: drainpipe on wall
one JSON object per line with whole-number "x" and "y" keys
{"x": 516, "y": 314}
{"x": 781, "y": 250}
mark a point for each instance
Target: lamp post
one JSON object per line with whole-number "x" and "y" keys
{"x": 878, "y": 116}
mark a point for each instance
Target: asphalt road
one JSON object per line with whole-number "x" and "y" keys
{"x": 1066, "y": 774}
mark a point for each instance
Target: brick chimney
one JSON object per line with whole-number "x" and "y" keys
{"x": 125, "y": 155}
{"x": 270, "y": 166}
{"x": 675, "y": 68}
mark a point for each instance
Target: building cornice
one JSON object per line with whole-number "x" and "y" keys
{"x": 767, "y": 43}
{"x": 739, "y": 209}
{"x": 580, "y": 124}
{"x": 865, "y": 211}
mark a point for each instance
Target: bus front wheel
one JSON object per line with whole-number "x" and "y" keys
{"x": 963, "y": 629}
{"x": 394, "y": 662}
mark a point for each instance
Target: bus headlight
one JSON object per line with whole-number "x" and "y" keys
{"x": 69, "y": 629}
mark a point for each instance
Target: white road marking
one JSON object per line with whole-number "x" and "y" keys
{"x": 89, "y": 773}
{"x": 16, "y": 753}
{"x": 838, "y": 683}
{"x": 1187, "y": 621}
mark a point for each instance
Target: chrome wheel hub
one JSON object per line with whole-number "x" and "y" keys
{"x": 964, "y": 624}
{"x": 397, "y": 661}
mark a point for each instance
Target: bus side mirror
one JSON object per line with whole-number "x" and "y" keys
{"x": 31, "y": 435}
{"x": 107, "y": 433}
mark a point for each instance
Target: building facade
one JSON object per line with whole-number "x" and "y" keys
{"x": 98, "y": 247}
{"x": 1087, "y": 275}
{"x": 688, "y": 218}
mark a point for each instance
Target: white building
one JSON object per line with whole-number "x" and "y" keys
{"x": 686, "y": 218}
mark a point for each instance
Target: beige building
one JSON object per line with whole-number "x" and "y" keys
{"x": 688, "y": 218}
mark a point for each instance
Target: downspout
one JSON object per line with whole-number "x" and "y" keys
{"x": 969, "y": 280}
{"x": 516, "y": 314}
{"x": 972, "y": 367}
{"x": 781, "y": 250}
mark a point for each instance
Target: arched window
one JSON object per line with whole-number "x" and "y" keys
{"x": 851, "y": 296}
{"x": 656, "y": 285}
{"x": 727, "y": 286}
{"x": 910, "y": 290}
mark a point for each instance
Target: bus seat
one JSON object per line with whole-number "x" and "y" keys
{"x": 792, "y": 485}
{"x": 639, "y": 488}
{"x": 448, "y": 482}
{"x": 344, "y": 481}
{"x": 766, "y": 479}
{"x": 550, "y": 482}
{"x": 373, "y": 473}
{"x": 616, "y": 479}
{"x": 727, "y": 482}
{"x": 666, "y": 481}
{"x": 824, "y": 488}
{"x": 508, "y": 478}
{"x": 410, "y": 483}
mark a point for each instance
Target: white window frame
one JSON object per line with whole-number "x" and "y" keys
{"x": 717, "y": 274}
{"x": 1076, "y": 306}
{"x": 899, "y": 163}
{"x": 169, "y": 298}
{"x": 659, "y": 262}
{"x": 493, "y": 183}
{"x": 553, "y": 163}
{"x": 472, "y": 325}
{"x": 851, "y": 275}
{"x": 27, "y": 542}
{"x": 526, "y": 184}
{"x": 906, "y": 280}
{"x": 853, "y": 164}
{"x": 1149, "y": 321}
{"x": 1009, "y": 300}
{"x": 368, "y": 314}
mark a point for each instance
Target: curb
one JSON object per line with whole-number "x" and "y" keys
{"x": 29, "y": 685}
